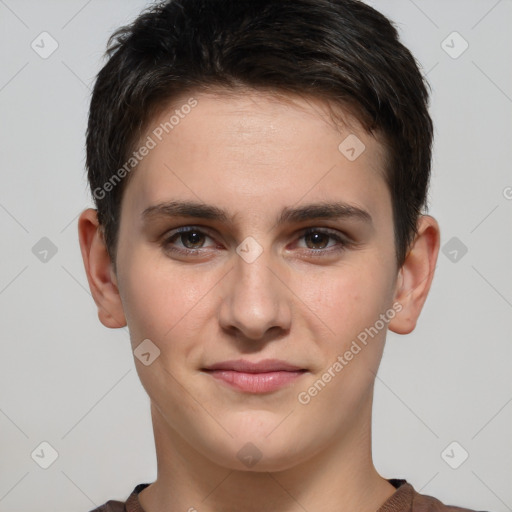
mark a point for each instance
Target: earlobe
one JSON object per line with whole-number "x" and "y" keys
{"x": 416, "y": 275}
{"x": 98, "y": 267}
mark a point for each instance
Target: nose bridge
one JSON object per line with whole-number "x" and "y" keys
{"x": 255, "y": 298}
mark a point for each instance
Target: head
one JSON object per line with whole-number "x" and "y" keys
{"x": 256, "y": 111}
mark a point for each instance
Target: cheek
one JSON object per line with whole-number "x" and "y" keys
{"x": 346, "y": 300}
{"x": 164, "y": 302}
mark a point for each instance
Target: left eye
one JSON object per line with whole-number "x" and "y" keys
{"x": 319, "y": 237}
{"x": 192, "y": 240}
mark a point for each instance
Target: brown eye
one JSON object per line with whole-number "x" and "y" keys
{"x": 191, "y": 241}
{"x": 318, "y": 239}
{"x": 186, "y": 240}
{"x": 194, "y": 238}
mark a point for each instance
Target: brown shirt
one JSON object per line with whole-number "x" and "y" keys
{"x": 405, "y": 499}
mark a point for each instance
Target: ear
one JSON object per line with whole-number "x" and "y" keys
{"x": 416, "y": 275}
{"x": 99, "y": 270}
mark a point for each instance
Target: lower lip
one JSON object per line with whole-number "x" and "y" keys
{"x": 256, "y": 382}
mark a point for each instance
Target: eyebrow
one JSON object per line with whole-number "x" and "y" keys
{"x": 324, "y": 210}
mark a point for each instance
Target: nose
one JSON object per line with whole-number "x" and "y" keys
{"x": 256, "y": 301}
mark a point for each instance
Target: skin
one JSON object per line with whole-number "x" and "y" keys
{"x": 253, "y": 154}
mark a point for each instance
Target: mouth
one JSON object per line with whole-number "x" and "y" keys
{"x": 255, "y": 377}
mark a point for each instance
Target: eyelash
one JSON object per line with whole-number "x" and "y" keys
{"x": 345, "y": 244}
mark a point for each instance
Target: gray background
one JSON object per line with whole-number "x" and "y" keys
{"x": 67, "y": 380}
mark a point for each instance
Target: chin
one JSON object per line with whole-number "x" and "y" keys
{"x": 260, "y": 452}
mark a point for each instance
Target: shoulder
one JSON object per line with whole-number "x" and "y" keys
{"x": 426, "y": 503}
{"x": 111, "y": 506}
{"x": 407, "y": 499}
{"x": 130, "y": 505}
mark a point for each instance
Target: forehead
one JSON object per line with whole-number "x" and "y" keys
{"x": 248, "y": 152}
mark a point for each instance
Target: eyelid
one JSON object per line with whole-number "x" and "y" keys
{"x": 207, "y": 231}
{"x": 344, "y": 241}
{"x": 186, "y": 229}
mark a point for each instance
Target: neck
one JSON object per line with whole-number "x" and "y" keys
{"x": 340, "y": 476}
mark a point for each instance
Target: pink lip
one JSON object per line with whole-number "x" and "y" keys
{"x": 255, "y": 382}
{"x": 261, "y": 377}
{"x": 263, "y": 366}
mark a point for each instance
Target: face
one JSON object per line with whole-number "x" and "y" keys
{"x": 260, "y": 272}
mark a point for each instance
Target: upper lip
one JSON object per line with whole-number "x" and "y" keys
{"x": 263, "y": 366}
